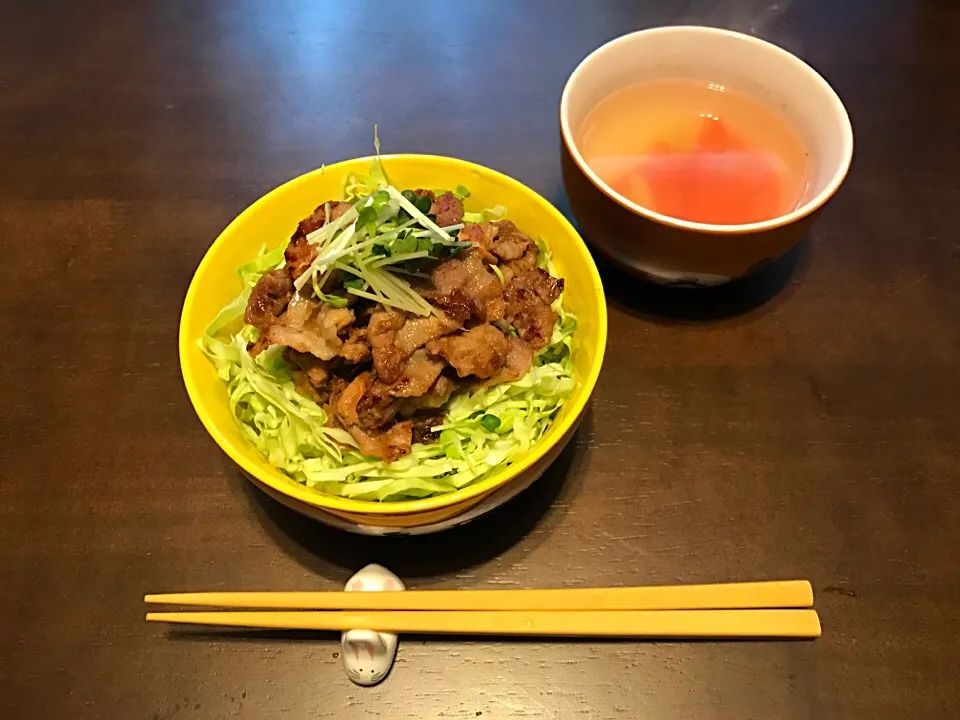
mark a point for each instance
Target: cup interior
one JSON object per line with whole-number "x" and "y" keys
{"x": 748, "y": 64}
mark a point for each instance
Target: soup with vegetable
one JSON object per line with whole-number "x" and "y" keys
{"x": 696, "y": 151}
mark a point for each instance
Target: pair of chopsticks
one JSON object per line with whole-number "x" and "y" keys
{"x": 732, "y": 610}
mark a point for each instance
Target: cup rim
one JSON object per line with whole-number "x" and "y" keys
{"x": 811, "y": 206}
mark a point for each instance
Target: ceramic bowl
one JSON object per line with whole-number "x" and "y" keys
{"x": 673, "y": 251}
{"x": 272, "y": 218}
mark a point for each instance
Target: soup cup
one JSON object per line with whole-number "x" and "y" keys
{"x": 673, "y": 251}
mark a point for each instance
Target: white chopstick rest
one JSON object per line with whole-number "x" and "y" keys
{"x": 367, "y": 655}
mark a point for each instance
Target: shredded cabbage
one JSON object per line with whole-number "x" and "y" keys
{"x": 497, "y": 212}
{"x": 483, "y": 428}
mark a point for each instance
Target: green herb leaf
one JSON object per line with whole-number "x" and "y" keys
{"x": 405, "y": 243}
{"x": 380, "y": 200}
{"x": 422, "y": 203}
{"x": 367, "y": 219}
{"x": 458, "y": 248}
{"x": 334, "y": 300}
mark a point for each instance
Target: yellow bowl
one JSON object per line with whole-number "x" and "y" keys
{"x": 272, "y": 219}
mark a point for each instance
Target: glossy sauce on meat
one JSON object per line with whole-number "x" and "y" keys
{"x": 384, "y": 374}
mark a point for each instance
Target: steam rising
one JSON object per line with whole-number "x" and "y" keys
{"x": 754, "y": 17}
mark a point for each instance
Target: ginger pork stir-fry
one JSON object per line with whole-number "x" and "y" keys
{"x": 389, "y": 305}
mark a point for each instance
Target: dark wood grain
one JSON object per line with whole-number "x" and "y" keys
{"x": 803, "y": 424}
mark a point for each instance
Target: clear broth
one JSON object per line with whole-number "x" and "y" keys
{"x": 696, "y": 151}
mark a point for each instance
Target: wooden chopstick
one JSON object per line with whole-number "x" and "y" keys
{"x": 582, "y": 623}
{"x": 776, "y": 594}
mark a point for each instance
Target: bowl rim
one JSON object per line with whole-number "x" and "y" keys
{"x": 502, "y": 476}
{"x": 808, "y": 208}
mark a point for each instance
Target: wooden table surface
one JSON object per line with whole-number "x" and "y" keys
{"x": 801, "y": 424}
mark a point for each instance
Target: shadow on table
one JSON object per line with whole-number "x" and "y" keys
{"x": 675, "y": 305}
{"x": 311, "y": 636}
{"x": 755, "y": 294}
{"x": 317, "y": 546}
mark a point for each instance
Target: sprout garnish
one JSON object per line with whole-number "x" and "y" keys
{"x": 384, "y": 235}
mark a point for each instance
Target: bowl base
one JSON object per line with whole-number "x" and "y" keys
{"x": 661, "y": 276}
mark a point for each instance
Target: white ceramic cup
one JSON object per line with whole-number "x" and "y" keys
{"x": 668, "y": 249}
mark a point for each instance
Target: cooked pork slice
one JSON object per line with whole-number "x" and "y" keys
{"x": 466, "y": 279}
{"x": 382, "y": 329}
{"x": 418, "y": 331}
{"x": 508, "y": 242}
{"x": 319, "y": 218}
{"x": 422, "y": 424}
{"x": 418, "y": 375}
{"x": 300, "y": 253}
{"x": 376, "y": 407}
{"x": 268, "y": 299}
{"x": 319, "y": 374}
{"x": 345, "y": 404}
{"x": 354, "y": 405}
{"x": 446, "y": 208}
{"x": 518, "y": 360}
{"x": 438, "y": 394}
{"x": 355, "y": 348}
{"x": 528, "y": 312}
{"x": 525, "y": 263}
{"x": 480, "y": 233}
{"x": 311, "y": 327}
{"x": 258, "y": 346}
{"x": 383, "y": 324}
{"x": 500, "y": 241}
{"x": 299, "y": 256}
{"x": 457, "y": 305}
{"x": 496, "y": 309}
{"x": 393, "y": 337}
{"x": 333, "y": 321}
{"x": 336, "y": 386}
{"x": 543, "y": 284}
{"x": 317, "y": 371}
{"x": 311, "y": 376}
{"x": 434, "y": 398}
{"x": 390, "y": 444}
{"x": 480, "y": 351}
{"x": 302, "y": 383}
